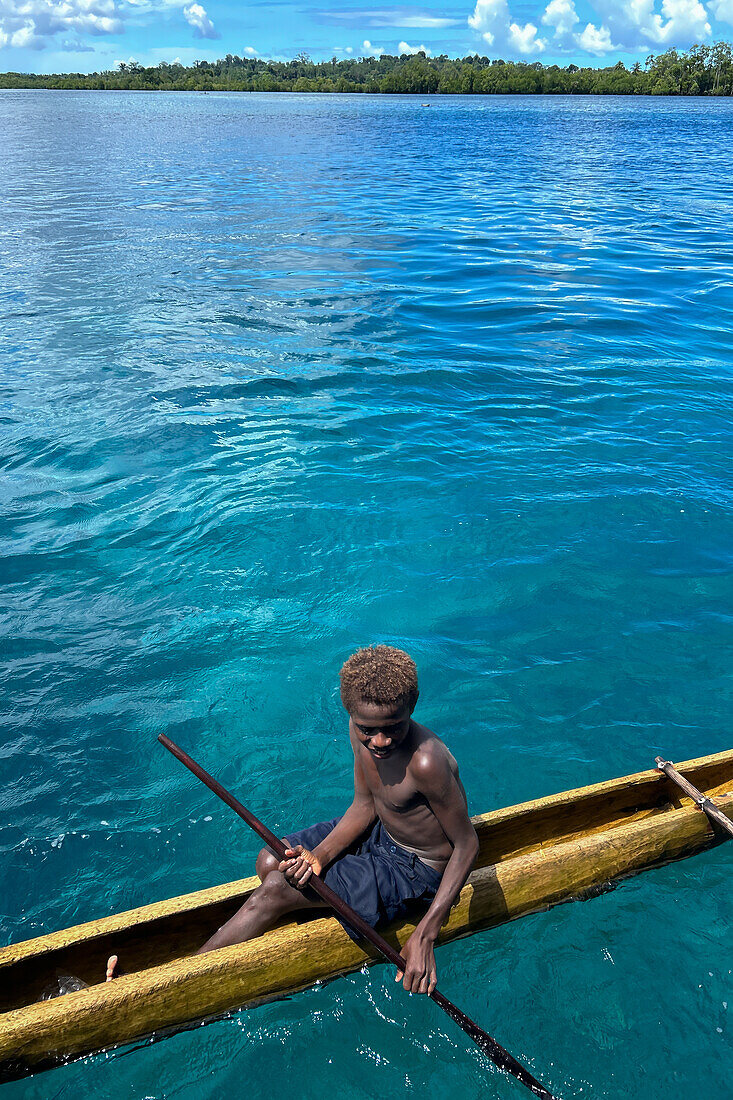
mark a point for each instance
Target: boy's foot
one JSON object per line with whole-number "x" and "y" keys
{"x": 111, "y": 967}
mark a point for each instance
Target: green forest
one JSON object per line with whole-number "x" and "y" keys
{"x": 701, "y": 70}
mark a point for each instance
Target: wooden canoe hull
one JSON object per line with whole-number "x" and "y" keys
{"x": 562, "y": 848}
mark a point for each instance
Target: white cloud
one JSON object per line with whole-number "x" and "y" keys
{"x": 723, "y": 10}
{"x": 488, "y": 16}
{"x": 595, "y": 40}
{"x": 405, "y": 47}
{"x": 372, "y": 51}
{"x": 26, "y": 38}
{"x": 418, "y": 21}
{"x": 250, "y": 51}
{"x": 561, "y": 15}
{"x": 680, "y": 23}
{"x": 31, "y": 24}
{"x": 524, "y": 39}
{"x": 75, "y": 45}
{"x": 388, "y": 17}
{"x": 196, "y": 15}
{"x": 686, "y": 21}
{"x": 492, "y": 20}
{"x": 624, "y": 25}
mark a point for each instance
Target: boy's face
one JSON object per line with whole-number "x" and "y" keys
{"x": 381, "y": 729}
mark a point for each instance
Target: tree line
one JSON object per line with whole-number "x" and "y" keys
{"x": 701, "y": 70}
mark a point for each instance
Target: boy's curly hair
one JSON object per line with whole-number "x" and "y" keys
{"x": 379, "y": 674}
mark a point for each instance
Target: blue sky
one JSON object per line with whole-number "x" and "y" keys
{"x": 93, "y": 35}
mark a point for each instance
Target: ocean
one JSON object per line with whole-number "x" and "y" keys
{"x": 283, "y": 375}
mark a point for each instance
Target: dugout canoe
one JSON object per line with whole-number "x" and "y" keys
{"x": 532, "y": 856}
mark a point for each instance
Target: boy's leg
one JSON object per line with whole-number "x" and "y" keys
{"x": 274, "y": 898}
{"x": 264, "y": 907}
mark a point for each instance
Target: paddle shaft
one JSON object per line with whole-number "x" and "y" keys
{"x": 706, "y": 804}
{"x": 501, "y": 1057}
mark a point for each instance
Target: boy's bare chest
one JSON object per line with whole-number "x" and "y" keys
{"x": 391, "y": 787}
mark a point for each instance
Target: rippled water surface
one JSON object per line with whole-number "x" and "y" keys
{"x": 284, "y": 375}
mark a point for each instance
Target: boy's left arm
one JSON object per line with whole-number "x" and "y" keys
{"x": 440, "y": 787}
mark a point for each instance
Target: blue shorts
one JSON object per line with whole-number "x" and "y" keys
{"x": 376, "y": 877}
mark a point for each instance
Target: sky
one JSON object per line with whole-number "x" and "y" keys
{"x": 46, "y": 36}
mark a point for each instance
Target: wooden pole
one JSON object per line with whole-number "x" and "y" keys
{"x": 498, "y": 1055}
{"x": 706, "y": 804}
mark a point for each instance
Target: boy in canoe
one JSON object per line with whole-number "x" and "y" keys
{"x": 405, "y": 840}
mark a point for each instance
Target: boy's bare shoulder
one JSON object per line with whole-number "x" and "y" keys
{"x": 432, "y": 763}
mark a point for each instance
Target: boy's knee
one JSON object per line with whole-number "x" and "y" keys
{"x": 275, "y": 891}
{"x": 266, "y": 862}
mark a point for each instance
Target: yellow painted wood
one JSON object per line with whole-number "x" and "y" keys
{"x": 591, "y": 836}
{"x": 118, "y": 922}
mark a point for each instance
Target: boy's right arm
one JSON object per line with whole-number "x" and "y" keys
{"x": 301, "y": 863}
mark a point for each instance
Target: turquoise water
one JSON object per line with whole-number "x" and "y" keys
{"x": 286, "y": 375}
